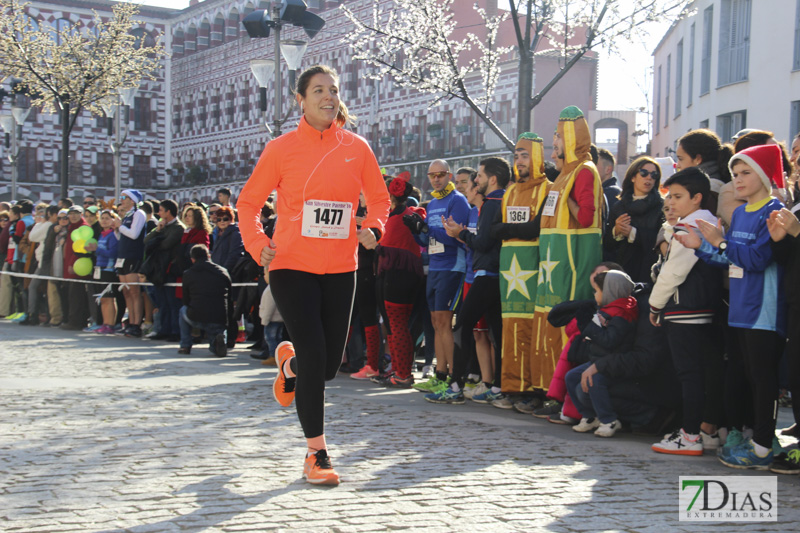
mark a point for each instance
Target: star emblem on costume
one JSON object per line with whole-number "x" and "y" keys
{"x": 517, "y": 277}
{"x": 547, "y": 268}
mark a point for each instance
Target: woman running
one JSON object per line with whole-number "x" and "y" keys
{"x": 318, "y": 171}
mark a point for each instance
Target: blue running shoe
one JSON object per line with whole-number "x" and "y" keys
{"x": 446, "y": 395}
{"x": 744, "y": 457}
{"x": 487, "y": 397}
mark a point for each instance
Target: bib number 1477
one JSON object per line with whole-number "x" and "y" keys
{"x": 324, "y": 219}
{"x": 326, "y": 216}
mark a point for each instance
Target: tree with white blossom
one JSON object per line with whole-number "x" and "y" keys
{"x": 435, "y": 62}
{"x": 77, "y": 66}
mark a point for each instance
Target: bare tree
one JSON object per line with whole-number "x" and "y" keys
{"x": 75, "y": 67}
{"x": 434, "y": 61}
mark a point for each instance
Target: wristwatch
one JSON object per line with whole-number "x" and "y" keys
{"x": 723, "y": 246}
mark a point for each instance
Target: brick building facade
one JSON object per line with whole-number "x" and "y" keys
{"x": 199, "y": 126}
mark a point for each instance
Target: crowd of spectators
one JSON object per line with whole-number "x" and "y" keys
{"x": 677, "y": 322}
{"x": 133, "y": 267}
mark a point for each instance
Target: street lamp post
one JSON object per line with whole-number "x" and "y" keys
{"x": 12, "y": 125}
{"x": 258, "y": 24}
{"x": 114, "y": 109}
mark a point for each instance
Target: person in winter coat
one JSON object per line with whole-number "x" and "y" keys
{"x": 399, "y": 277}
{"x": 634, "y": 222}
{"x": 611, "y": 329}
{"x": 685, "y": 298}
{"x": 757, "y": 302}
{"x": 163, "y": 248}
{"x": 206, "y": 302}
{"x": 784, "y": 229}
{"x": 228, "y": 245}
{"x": 78, "y": 304}
{"x": 39, "y": 234}
{"x": 492, "y": 179}
{"x": 104, "y": 270}
{"x": 198, "y": 231}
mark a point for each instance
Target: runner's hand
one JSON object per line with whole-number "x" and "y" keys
{"x": 268, "y": 253}
{"x": 367, "y": 238}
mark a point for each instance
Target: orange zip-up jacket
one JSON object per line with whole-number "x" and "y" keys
{"x": 305, "y": 165}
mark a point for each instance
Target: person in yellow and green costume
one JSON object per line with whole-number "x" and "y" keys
{"x": 519, "y": 262}
{"x": 570, "y": 243}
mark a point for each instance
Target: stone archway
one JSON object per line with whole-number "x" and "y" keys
{"x": 622, "y": 136}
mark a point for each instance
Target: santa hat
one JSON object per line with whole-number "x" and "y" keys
{"x": 766, "y": 160}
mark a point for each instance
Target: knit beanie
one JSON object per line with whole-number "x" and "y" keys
{"x": 766, "y": 160}
{"x": 134, "y": 195}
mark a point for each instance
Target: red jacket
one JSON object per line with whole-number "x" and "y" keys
{"x": 626, "y": 308}
{"x": 398, "y": 249}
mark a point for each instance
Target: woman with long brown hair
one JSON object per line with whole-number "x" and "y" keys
{"x": 318, "y": 170}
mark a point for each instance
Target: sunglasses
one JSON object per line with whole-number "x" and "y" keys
{"x": 224, "y": 219}
{"x": 62, "y": 218}
{"x": 437, "y": 175}
{"x": 643, "y": 172}
{"x": 88, "y": 203}
{"x": 4, "y": 219}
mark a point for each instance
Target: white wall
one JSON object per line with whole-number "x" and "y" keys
{"x": 766, "y": 95}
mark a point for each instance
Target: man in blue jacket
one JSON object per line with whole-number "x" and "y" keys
{"x": 446, "y": 264}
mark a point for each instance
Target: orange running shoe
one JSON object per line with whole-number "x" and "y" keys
{"x": 318, "y": 469}
{"x": 283, "y": 388}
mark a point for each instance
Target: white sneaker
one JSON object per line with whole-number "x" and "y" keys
{"x": 480, "y": 388}
{"x": 679, "y": 443}
{"x": 503, "y": 403}
{"x": 607, "y": 430}
{"x": 710, "y": 442}
{"x": 586, "y": 425}
{"x": 427, "y": 371}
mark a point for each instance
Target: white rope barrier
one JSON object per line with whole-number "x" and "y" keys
{"x": 123, "y": 284}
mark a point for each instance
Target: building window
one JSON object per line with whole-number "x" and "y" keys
{"x": 794, "y": 119}
{"x": 703, "y": 124}
{"x": 678, "y": 78}
{"x": 141, "y": 172}
{"x": 666, "y": 98}
{"x": 104, "y": 169}
{"x": 141, "y": 114}
{"x": 705, "y": 59}
{"x": 658, "y": 101}
{"x": 27, "y": 164}
{"x": 203, "y": 111}
{"x": 730, "y": 123}
{"x": 690, "y": 92}
{"x": 796, "y": 62}
{"x": 734, "y": 41}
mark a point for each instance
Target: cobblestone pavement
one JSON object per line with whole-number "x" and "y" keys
{"x": 115, "y": 434}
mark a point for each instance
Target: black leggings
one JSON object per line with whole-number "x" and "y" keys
{"x": 762, "y": 352}
{"x": 793, "y": 358}
{"x": 699, "y": 367}
{"x": 482, "y": 299}
{"x": 316, "y": 310}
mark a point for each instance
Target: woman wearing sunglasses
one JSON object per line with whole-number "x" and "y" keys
{"x": 634, "y": 222}
{"x": 228, "y": 247}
